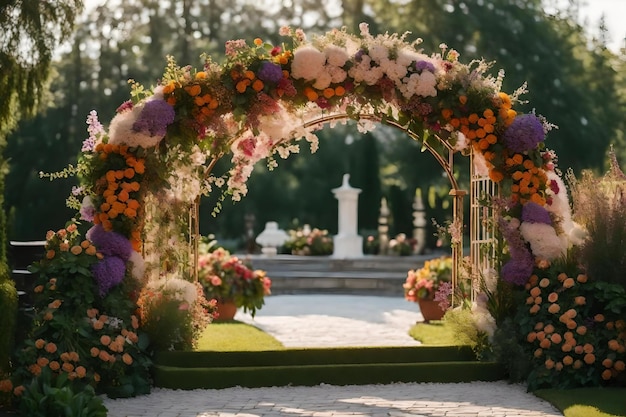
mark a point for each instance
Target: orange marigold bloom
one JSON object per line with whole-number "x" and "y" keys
{"x": 54, "y": 365}
{"x": 532, "y": 336}
{"x": 42, "y": 361}
{"x": 538, "y": 353}
{"x": 40, "y": 343}
{"x": 97, "y": 325}
{"x": 567, "y": 347}
{"x": 581, "y": 278}
{"x": 76, "y": 250}
{"x": 589, "y": 358}
{"x": 94, "y": 351}
{"x": 329, "y": 92}
{"x": 580, "y": 300}
{"x": 554, "y": 308}
{"x": 81, "y": 371}
{"x": 48, "y": 316}
{"x": 613, "y": 344}
{"x": 127, "y": 359}
{"x": 258, "y": 85}
{"x": 258, "y": 41}
{"x": 6, "y": 385}
{"x": 535, "y": 291}
{"x": 553, "y": 297}
{"x": 606, "y": 374}
{"x": 568, "y": 360}
{"x": 67, "y": 367}
{"x": 105, "y": 340}
{"x": 549, "y": 363}
{"x": 556, "y": 338}
{"x": 581, "y": 330}
{"x": 534, "y": 309}
{"x": 545, "y": 344}
{"x": 35, "y": 369}
{"x": 496, "y": 175}
{"x": 569, "y": 283}
{"x": 193, "y": 90}
{"x": 462, "y": 99}
{"x": 598, "y": 318}
{"x": 50, "y": 254}
{"x": 619, "y": 366}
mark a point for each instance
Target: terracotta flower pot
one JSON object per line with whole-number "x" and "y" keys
{"x": 430, "y": 309}
{"x": 226, "y": 310}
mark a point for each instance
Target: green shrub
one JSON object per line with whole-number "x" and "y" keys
{"x": 8, "y": 316}
{"x": 55, "y": 396}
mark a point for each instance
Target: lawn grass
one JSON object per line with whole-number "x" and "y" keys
{"x": 434, "y": 333}
{"x": 587, "y": 402}
{"x": 232, "y": 336}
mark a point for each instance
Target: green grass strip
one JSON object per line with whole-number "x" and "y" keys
{"x": 587, "y": 402}
{"x": 236, "y": 336}
{"x": 434, "y": 333}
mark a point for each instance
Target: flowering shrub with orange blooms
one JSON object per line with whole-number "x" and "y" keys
{"x": 573, "y": 329}
{"x": 91, "y": 337}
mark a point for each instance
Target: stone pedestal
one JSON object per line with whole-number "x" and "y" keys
{"x": 347, "y": 243}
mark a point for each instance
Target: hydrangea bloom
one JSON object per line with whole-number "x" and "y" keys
{"x": 518, "y": 270}
{"x": 270, "y": 72}
{"x": 108, "y": 273}
{"x": 535, "y": 213}
{"x": 110, "y": 243}
{"x": 154, "y": 118}
{"x": 524, "y": 133}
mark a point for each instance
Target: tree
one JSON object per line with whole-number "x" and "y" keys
{"x": 31, "y": 30}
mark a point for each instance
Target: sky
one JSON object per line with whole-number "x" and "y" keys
{"x": 614, "y": 12}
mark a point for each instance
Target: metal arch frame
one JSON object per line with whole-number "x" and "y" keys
{"x": 447, "y": 165}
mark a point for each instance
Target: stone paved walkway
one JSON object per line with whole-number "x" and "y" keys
{"x": 312, "y": 320}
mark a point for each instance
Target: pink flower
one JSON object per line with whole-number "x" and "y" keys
{"x": 216, "y": 281}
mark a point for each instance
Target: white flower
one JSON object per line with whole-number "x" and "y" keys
{"x": 308, "y": 63}
{"x": 365, "y": 29}
{"x": 543, "y": 240}
{"x": 336, "y": 55}
{"x": 138, "y": 266}
{"x": 378, "y": 53}
{"x": 323, "y": 80}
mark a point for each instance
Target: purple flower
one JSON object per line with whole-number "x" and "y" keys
{"x": 517, "y": 271}
{"x": 154, "y": 118}
{"x": 108, "y": 273}
{"x": 424, "y": 65}
{"x": 270, "y": 72}
{"x": 535, "y": 213}
{"x": 359, "y": 55}
{"x": 110, "y": 243}
{"x": 442, "y": 296}
{"x": 524, "y": 133}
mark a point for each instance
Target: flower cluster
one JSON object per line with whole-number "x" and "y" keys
{"x": 226, "y": 277}
{"x": 307, "y": 241}
{"x": 572, "y": 338}
{"x": 423, "y": 283}
{"x": 174, "y": 313}
{"x": 401, "y": 245}
{"x": 89, "y": 335}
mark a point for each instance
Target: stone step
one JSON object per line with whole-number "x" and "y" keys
{"x": 367, "y": 275}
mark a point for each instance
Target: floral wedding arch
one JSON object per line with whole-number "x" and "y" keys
{"x": 143, "y": 177}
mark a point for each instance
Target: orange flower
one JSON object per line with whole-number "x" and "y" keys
{"x": 42, "y": 361}
{"x": 98, "y": 325}
{"x": 553, "y": 297}
{"x": 535, "y": 291}
{"x": 34, "y": 369}
{"x": 549, "y": 363}
{"x": 94, "y": 351}
{"x": 606, "y": 374}
{"x": 193, "y": 90}
{"x": 544, "y": 282}
{"x": 127, "y": 359}
{"x": 67, "y": 367}
{"x": 40, "y": 343}
{"x": 50, "y": 254}
{"x": 55, "y": 304}
{"x": 51, "y": 347}
{"x": 534, "y": 309}
{"x": 569, "y": 283}
{"x": 6, "y": 385}
{"x": 105, "y": 340}
{"x": 619, "y": 366}
{"x": 258, "y": 41}
{"x": 81, "y": 371}
{"x": 257, "y": 85}
{"x": 581, "y": 278}
{"x": 589, "y": 358}
{"x": 463, "y": 100}
{"x": 580, "y": 300}
{"x": 556, "y": 338}
{"x": 554, "y": 308}
{"x": 545, "y": 344}
{"x": 532, "y": 336}
{"x": 598, "y": 318}
{"x": 54, "y": 365}
{"x": 568, "y": 360}
{"x": 581, "y": 330}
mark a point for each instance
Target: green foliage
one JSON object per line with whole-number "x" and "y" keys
{"x": 462, "y": 323}
{"x": 599, "y": 204}
{"x": 52, "y": 395}
{"x": 8, "y": 317}
{"x": 93, "y": 340}
{"x": 174, "y": 314}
